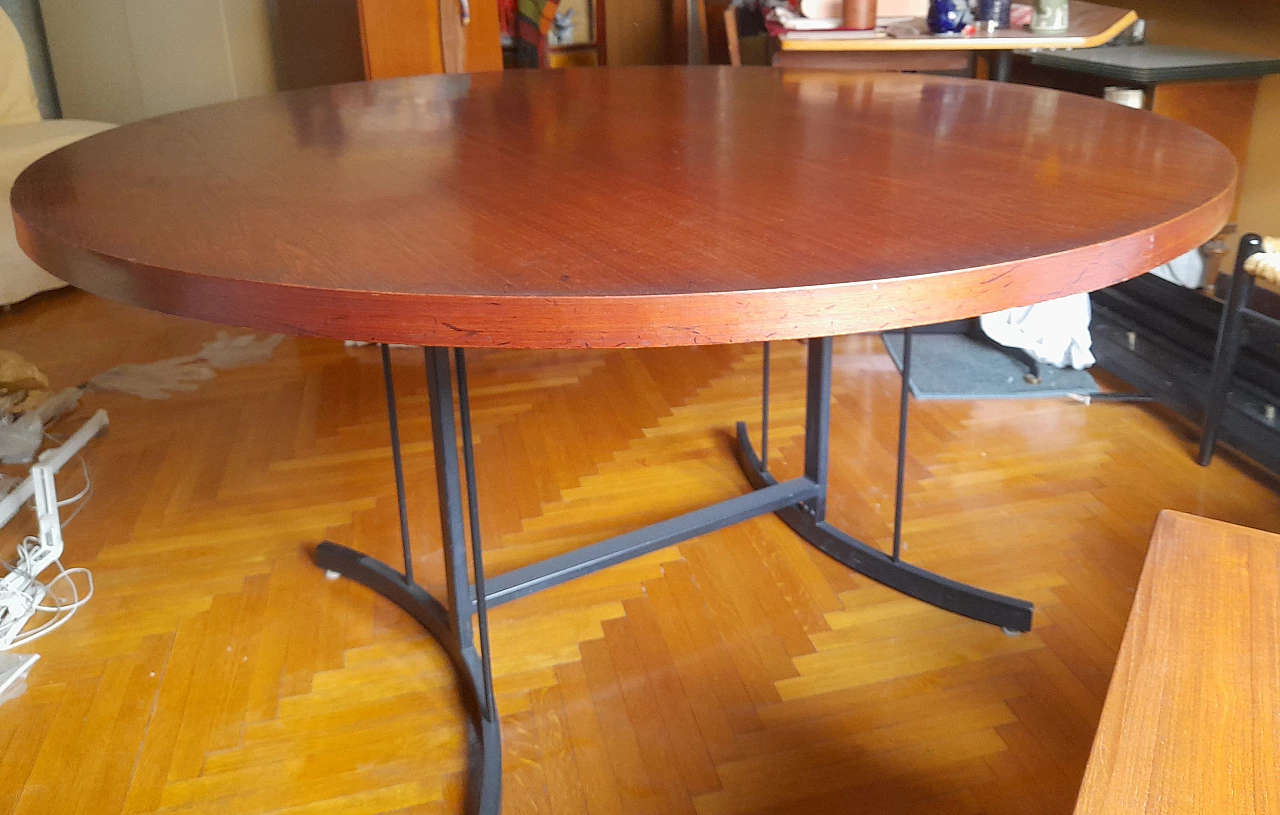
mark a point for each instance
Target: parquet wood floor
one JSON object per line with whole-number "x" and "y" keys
{"x": 217, "y": 671}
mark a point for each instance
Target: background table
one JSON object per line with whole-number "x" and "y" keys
{"x": 400, "y": 211}
{"x": 1090, "y": 25}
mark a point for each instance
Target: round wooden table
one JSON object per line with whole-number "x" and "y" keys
{"x": 621, "y": 207}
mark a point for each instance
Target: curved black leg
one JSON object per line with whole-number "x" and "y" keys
{"x": 450, "y": 626}
{"x": 809, "y": 522}
{"x": 960, "y": 598}
{"x": 484, "y": 740}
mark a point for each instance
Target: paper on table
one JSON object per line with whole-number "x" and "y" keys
{"x": 833, "y": 34}
{"x": 820, "y": 9}
{"x": 796, "y": 23}
{"x": 829, "y": 13}
{"x": 907, "y": 28}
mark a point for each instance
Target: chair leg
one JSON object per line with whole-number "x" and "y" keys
{"x": 1230, "y": 338}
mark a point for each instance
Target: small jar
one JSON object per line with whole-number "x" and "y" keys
{"x": 1050, "y": 17}
{"x": 860, "y": 15}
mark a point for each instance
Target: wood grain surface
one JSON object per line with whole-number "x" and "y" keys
{"x": 622, "y": 207}
{"x": 1192, "y": 720}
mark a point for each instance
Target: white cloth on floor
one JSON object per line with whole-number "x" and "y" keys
{"x": 235, "y": 352}
{"x": 1185, "y": 270}
{"x": 1055, "y": 332}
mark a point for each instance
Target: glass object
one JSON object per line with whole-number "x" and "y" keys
{"x": 1050, "y": 17}
{"x": 949, "y": 16}
{"x": 995, "y": 11}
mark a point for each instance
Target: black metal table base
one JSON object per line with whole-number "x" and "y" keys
{"x": 484, "y": 739}
{"x": 799, "y": 502}
{"x": 1007, "y": 612}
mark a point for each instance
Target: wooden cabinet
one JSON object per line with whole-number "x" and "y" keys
{"x": 409, "y": 37}
{"x": 320, "y": 42}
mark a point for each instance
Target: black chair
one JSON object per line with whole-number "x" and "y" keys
{"x": 1258, "y": 257}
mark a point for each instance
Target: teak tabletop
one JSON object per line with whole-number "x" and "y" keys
{"x": 1192, "y": 719}
{"x": 622, "y": 207}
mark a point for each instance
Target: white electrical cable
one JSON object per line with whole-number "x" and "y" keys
{"x": 84, "y": 493}
{"x": 34, "y": 591}
{"x": 84, "y": 467}
{"x": 62, "y": 612}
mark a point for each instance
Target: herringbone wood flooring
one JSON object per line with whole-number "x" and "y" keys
{"x": 217, "y": 671}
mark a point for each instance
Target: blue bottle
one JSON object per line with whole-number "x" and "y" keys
{"x": 949, "y": 16}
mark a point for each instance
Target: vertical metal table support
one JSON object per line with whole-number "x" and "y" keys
{"x": 800, "y": 502}
{"x": 450, "y": 625}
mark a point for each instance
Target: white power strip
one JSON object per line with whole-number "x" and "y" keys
{"x": 21, "y": 594}
{"x": 13, "y": 669}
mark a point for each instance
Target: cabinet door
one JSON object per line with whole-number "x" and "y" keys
{"x": 316, "y": 42}
{"x": 410, "y": 37}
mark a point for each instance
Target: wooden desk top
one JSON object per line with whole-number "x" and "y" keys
{"x": 622, "y": 207}
{"x": 1090, "y": 25}
{"x": 1192, "y": 720}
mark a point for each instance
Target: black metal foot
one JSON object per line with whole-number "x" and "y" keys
{"x": 484, "y": 738}
{"x": 960, "y": 598}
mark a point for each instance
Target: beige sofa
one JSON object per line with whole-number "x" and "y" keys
{"x": 25, "y": 137}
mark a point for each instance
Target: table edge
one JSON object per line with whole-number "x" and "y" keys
{"x": 631, "y": 321}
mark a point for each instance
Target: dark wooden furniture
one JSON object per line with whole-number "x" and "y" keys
{"x": 1191, "y": 724}
{"x": 632, "y": 214}
{"x": 1160, "y": 338}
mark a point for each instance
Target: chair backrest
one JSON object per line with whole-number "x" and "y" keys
{"x": 18, "y": 102}
{"x": 1265, "y": 265}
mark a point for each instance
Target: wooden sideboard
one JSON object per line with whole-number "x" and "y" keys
{"x": 1191, "y": 722}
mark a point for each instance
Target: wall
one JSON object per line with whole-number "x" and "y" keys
{"x": 26, "y": 18}
{"x": 122, "y": 60}
{"x": 1251, "y": 26}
